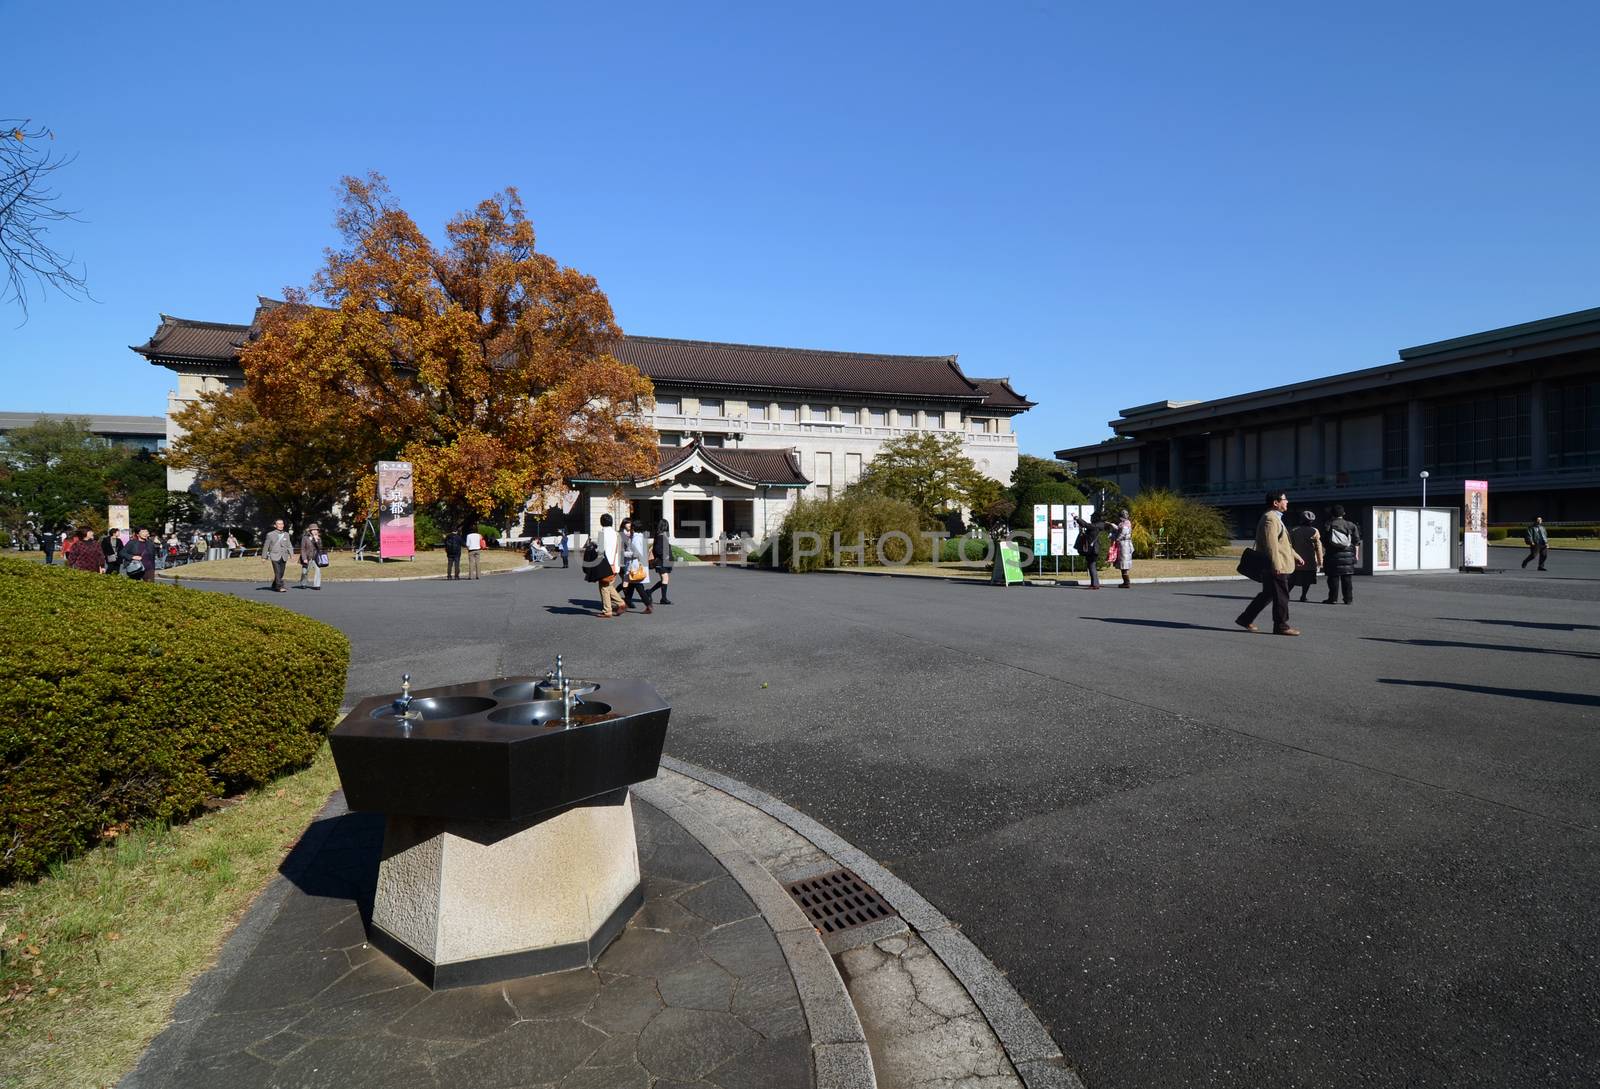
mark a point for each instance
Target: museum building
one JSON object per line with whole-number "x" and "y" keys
{"x": 1518, "y": 407}
{"x": 745, "y": 429}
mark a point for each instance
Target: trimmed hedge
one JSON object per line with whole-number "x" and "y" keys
{"x": 966, "y": 549}
{"x": 862, "y": 520}
{"x": 126, "y": 701}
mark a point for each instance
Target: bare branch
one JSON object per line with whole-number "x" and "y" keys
{"x": 28, "y": 206}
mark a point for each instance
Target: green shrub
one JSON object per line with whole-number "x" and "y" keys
{"x": 965, "y": 549}
{"x": 680, "y": 556}
{"x": 861, "y": 519}
{"x": 426, "y": 531}
{"x": 1189, "y": 528}
{"x": 490, "y": 533}
{"x": 124, "y": 701}
{"x": 1051, "y": 492}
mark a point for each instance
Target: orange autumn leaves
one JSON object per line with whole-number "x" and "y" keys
{"x": 482, "y": 361}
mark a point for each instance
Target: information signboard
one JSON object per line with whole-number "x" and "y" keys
{"x": 1475, "y": 531}
{"x": 1383, "y": 539}
{"x": 1058, "y": 530}
{"x": 1406, "y": 531}
{"x": 1041, "y": 529}
{"x": 396, "y": 511}
{"x": 1008, "y": 564}
{"x": 1434, "y": 544}
{"x": 117, "y": 516}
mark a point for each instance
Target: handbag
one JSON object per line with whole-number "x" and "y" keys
{"x": 1252, "y": 565}
{"x": 1114, "y": 553}
{"x": 322, "y": 559}
{"x": 637, "y": 573}
{"x": 133, "y": 568}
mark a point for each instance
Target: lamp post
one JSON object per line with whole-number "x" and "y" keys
{"x": 1424, "y": 476}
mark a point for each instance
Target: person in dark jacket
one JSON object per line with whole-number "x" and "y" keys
{"x": 111, "y": 547}
{"x": 661, "y": 552}
{"x": 47, "y": 544}
{"x": 1088, "y": 543}
{"x": 1538, "y": 539}
{"x": 1341, "y": 555}
{"x": 452, "y": 554}
{"x": 143, "y": 549}
{"x": 86, "y": 553}
{"x": 1308, "y": 546}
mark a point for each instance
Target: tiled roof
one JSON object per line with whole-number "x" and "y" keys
{"x": 755, "y": 466}
{"x": 749, "y": 366}
{"x": 997, "y": 393}
{"x": 735, "y": 367}
{"x": 184, "y": 339}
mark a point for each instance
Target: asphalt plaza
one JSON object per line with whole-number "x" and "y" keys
{"x": 1367, "y": 856}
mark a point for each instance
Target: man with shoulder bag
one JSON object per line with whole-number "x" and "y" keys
{"x": 1276, "y": 561}
{"x": 603, "y": 568}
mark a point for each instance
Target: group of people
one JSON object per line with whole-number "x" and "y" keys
{"x": 279, "y": 548}
{"x": 620, "y": 561}
{"x": 133, "y": 554}
{"x": 1290, "y": 559}
{"x": 1119, "y": 551}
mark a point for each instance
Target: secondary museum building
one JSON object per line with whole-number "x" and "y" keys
{"x": 745, "y": 429}
{"x": 1517, "y": 406}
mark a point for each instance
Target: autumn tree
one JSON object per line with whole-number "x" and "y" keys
{"x": 483, "y": 362}
{"x": 300, "y": 469}
{"x": 931, "y": 472}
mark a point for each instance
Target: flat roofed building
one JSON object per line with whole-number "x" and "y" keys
{"x": 1517, "y": 406}
{"x": 783, "y": 421}
{"x": 141, "y": 432}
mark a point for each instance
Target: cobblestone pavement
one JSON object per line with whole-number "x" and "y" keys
{"x": 694, "y": 993}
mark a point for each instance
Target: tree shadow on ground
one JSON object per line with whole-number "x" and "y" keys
{"x": 1459, "y": 645}
{"x": 1540, "y": 625}
{"x": 1577, "y": 699}
{"x": 1156, "y": 623}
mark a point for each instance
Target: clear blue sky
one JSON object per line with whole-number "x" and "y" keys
{"x": 1110, "y": 203}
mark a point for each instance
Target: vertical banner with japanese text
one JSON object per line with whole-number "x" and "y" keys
{"x": 396, "y": 509}
{"x": 1475, "y": 527}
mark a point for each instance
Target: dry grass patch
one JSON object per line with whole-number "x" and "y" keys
{"x": 342, "y": 567}
{"x": 94, "y": 956}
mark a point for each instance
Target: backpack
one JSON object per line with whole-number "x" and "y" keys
{"x": 591, "y": 562}
{"x": 1338, "y": 536}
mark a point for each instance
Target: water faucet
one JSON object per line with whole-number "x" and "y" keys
{"x": 566, "y": 705}
{"x": 402, "y": 706}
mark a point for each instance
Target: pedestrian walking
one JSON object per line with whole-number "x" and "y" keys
{"x": 602, "y": 558}
{"x": 1277, "y": 556}
{"x": 1123, "y": 543}
{"x": 1307, "y": 544}
{"x": 47, "y": 543}
{"x": 1088, "y": 543}
{"x": 566, "y": 549}
{"x": 1342, "y": 546}
{"x": 452, "y": 555}
{"x": 635, "y": 565}
{"x": 139, "y": 556}
{"x": 1537, "y": 537}
{"x": 311, "y": 556}
{"x": 276, "y": 550}
{"x": 474, "y": 547}
{"x": 86, "y": 553}
{"x": 661, "y": 550}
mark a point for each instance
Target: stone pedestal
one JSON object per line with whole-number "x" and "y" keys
{"x": 462, "y": 902}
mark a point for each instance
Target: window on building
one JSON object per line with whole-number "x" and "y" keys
{"x": 788, "y": 413}
{"x": 1484, "y": 433}
{"x": 904, "y": 417}
{"x": 1395, "y": 440}
{"x": 824, "y": 475}
{"x": 710, "y": 406}
{"x": 757, "y": 410}
{"x": 667, "y": 406}
{"x": 878, "y": 417}
{"x": 712, "y": 440}
{"x": 1572, "y": 414}
{"x": 671, "y": 438}
{"x": 849, "y": 415}
{"x": 852, "y": 468}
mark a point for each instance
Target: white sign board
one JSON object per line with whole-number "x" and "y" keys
{"x": 1382, "y": 539}
{"x": 1041, "y": 529}
{"x": 1058, "y": 530}
{"x": 1475, "y": 528}
{"x": 1405, "y": 539}
{"x": 1435, "y": 544}
{"x": 117, "y": 516}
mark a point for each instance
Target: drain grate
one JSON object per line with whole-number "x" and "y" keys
{"x": 838, "y": 900}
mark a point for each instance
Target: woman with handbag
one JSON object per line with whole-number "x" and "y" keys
{"x": 1121, "y": 553}
{"x": 636, "y": 565}
{"x": 312, "y": 558}
{"x": 1307, "y": 544}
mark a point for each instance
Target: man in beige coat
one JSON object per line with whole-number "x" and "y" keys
{"x": 1273, "y": 545}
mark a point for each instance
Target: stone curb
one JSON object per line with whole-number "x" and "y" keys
{"x": 1026, "y": 581}
{"x": 840, "y": 1056}
{"x": 1028, "y": 1045}
{"x": 199, "y": 1002}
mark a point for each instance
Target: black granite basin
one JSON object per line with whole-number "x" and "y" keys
{"x": 440, "y": 707}
{"x": 529, "y": 690}
{"x": 545, "y": 711}
{"x": 481, "y": 753}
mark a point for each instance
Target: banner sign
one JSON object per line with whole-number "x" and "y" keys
{"x": 396, "y": 510}
{"x": 117, "y": 516}
{"x": 1475, "y": 535}
{"x": 1041, "y": 529}
{"x": 1383, "y": 539}
{"x": 1008, "y": 565}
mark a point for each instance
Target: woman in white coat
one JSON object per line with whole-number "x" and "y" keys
{"x": 1125, "y": 548}
{"x": 635, "y": 564}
